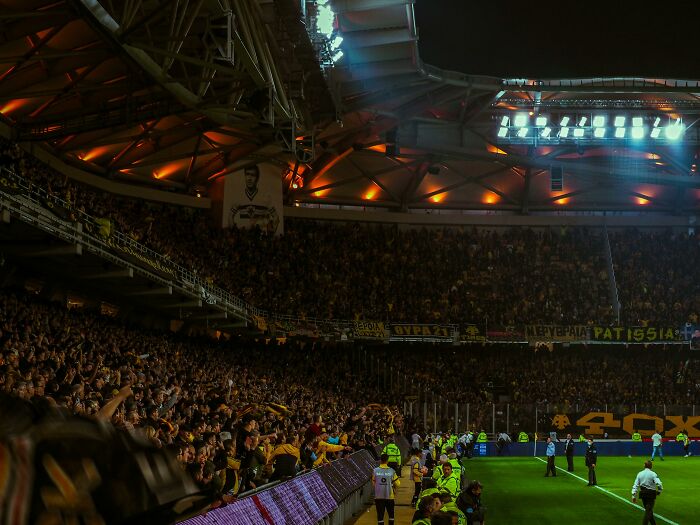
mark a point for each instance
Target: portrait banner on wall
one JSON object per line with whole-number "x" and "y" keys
{"x": 253, "y": 198}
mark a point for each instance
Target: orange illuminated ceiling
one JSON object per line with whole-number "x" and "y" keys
{"x": 68, "y": 84}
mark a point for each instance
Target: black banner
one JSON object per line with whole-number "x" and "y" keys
{"x": 634, "y": 334}
{"x": 473, "y": 333}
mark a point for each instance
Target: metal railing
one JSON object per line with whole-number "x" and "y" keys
{"x": 30, "y": 201}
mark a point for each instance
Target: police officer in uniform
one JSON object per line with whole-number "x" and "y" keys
{"x": 569, "y": 450}
{"x": 523, "y": 437}
{"x": 591, "y": 460}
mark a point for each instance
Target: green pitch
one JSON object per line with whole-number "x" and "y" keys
{"x": 516, "y": 491}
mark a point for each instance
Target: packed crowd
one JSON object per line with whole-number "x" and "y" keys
{"x": 227, "y": 411}
{"x": 655, "y": 272}
{"x": 351, "y": 271}
{"x": 565, "y": 380}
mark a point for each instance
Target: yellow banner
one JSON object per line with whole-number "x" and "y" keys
{"x": 368, "y": 330}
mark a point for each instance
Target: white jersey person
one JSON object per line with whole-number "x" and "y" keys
{"x": 648, "y": 485}
{"x": 384, "y": 480}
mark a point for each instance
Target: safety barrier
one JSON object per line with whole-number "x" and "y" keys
{"x": 328, "y": 495}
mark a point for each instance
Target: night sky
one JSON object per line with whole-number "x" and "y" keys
{"x": 566, "y": 39}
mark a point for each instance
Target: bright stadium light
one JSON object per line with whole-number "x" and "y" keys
{"x": 637, "y": 132}
{"x": 657, "y": 122}
{"x": 504, "y": 120}
{"x": 546, "y": 132}
{"x": 522, "y": 133}
{"x": 520, "y": 120}
{"x": 620, "y": 133}
{"x": 564, "y": 122}
{"x": 502, "y": 132}
{"x": 541, "y": 121}
{"x": 578, "y": 132}
{"x": 335, "y": 43}
{"x": 324, "y": 19}
{"x": 338, "y": 55}
{"x": 582, "y": 121}
{"x": 564, "y": 132}
{"x": 598, "y": 121}
{"x": 619, "y": 121}
{"x": 674, "y": 131}
{"x": 599, "y": 133}
{"x": 637, "y": 122}
{"x": 655, "y": 133}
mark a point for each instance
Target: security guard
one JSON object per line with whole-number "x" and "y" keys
{"x": 523, "y": 437}
{"x": 449, "y": 481}
{"x": 482, "y": 437}
{"x": 686, "y": 446}
{"x": 680, "y": 437}
{"x": 437, "y": 471}
{"x": 636, "y": 436}
{"x": 394, "y": 454}
{"x": 581, "y": 438}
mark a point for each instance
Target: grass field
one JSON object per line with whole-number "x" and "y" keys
{"x": 516, "y": 491}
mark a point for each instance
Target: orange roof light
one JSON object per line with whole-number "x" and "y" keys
{"x": 490, "y": 198}
{"x": 370, "y": 195}
{"x": 493, "y": 149}
{"x": 13, "y": 105}
{"x": 437, "y": 198}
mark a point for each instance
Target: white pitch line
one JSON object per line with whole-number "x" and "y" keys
{"x": 613, "y": 494}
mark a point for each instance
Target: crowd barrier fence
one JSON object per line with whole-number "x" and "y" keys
{"x": 328, "y": 495}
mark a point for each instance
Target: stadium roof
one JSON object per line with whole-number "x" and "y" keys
{"x": 173, "y": 93}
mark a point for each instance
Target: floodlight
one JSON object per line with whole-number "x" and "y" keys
{"x": 657, "y": 122}
{"x": 324, "y": 19}
{"x": 578, "y": 132}
{"x": 582, "y": 121}
{"x": 546, "y": 132}
{"x": 637, "y": 133}
{"x": 520, "y": 120}
{"x": 619, "y": 121}
{"x": 637, "y": 122}
{"x": 620, "y": 132}
{"x": 335, "y": 43}
{"x": 655, "y": 133}
{"x": 598, "y": 121}
{"x": 502, "y": 132}
{"x": 564, "y": 132}
{"x": 673, "y": 131}
{"x": 564, "y": 122}
{"x": 504, "y": 120}
{"x": 338, "y": 55}
{"x": 599, "y": 133}
{"x": 522, "y": 132}
{"x": 541, "y": 121}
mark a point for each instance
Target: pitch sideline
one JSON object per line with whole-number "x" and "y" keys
{"x": 659, "y": 516}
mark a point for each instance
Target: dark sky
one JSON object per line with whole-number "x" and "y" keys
{"x": 566, "y": 39}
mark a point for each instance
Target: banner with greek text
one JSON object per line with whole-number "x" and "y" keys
{"x": 549, "y": 332}
{"x": 634, "y": 334}
{"x": 368, "y": 330}
{"x": 427, "y": 332}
